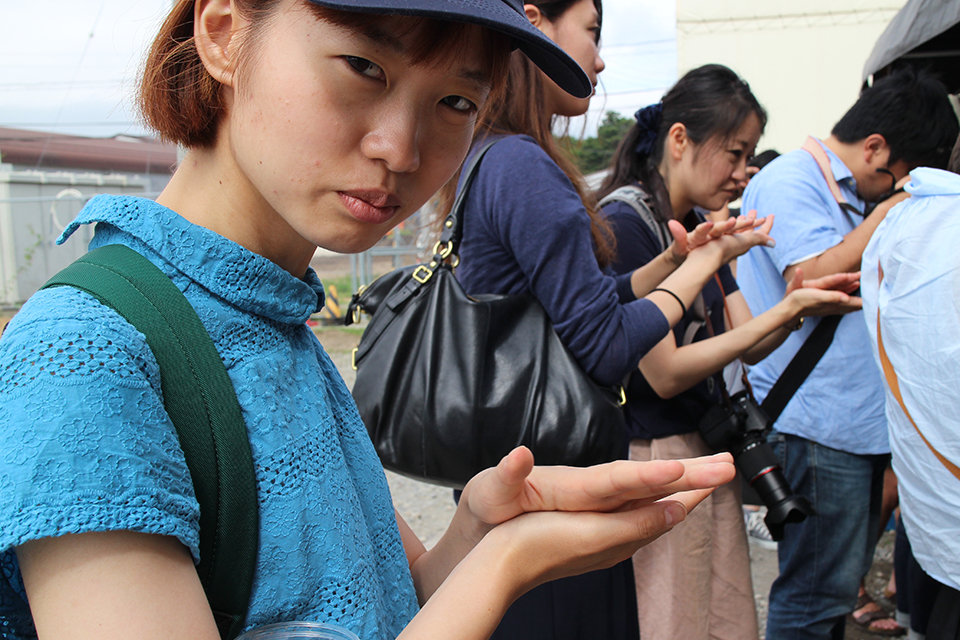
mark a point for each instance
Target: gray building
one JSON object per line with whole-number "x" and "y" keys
{"x": 45, "y": 179}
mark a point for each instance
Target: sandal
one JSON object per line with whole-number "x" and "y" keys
{"x": 866, "y": 619}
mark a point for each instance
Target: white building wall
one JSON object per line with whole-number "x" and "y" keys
{"x": 802, "y": 58}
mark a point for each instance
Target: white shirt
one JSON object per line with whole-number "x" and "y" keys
{"x": 911, "y": 291}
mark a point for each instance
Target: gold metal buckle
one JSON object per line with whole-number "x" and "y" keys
{"x": 445, "y": 252}
{"x": 422, "y": 273}
{"x": 356, "y": 314}
{"x": 623, "y": 395}
{"x": 353, "y": 358}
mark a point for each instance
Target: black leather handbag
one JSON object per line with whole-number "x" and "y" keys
{"x": 447, "y": 384}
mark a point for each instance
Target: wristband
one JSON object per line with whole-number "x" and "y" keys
{"x": 683, "y": 307}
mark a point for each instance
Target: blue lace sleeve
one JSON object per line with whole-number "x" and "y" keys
{"x": 85, "y": 444}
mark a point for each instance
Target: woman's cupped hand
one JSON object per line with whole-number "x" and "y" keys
{"x": 734, "y": 236}
{"x": 824, "y": 296}
{"x": 565, "y": 520}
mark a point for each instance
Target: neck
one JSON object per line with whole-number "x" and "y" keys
{"x": 679, "y": 203}
{"x": 849, "y": 154}
{"x": 223, "y": 201}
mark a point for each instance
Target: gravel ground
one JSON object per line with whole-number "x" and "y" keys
{"x": 429, "y": 508}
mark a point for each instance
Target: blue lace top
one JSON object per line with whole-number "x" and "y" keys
{"x": 85, "y": 444}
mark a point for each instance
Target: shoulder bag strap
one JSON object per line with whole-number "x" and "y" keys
{"x": 201, "y": 402}
{"x": 453, "y": 224}
{"x": 811, "y": 146}
{"x": 893, "y": 382}
{"x": 819, "y": 340}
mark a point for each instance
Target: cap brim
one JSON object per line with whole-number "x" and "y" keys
{"x": 494, "y": 14}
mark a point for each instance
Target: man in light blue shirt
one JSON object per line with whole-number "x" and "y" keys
{"x": 910, "y": 276}
{"x": 831, "y": 436}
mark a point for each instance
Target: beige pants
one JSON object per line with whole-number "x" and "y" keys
{"x": 694, "y": 582}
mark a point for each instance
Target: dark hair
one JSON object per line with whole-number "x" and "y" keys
{"x": 521, "y": 109}
{"x": 763, "y": 158}
{"x": 183, "y": 103}
{"x": 954, "y": 164}
{"x": 710, "y": 101}
{"x": 911, "y": 110}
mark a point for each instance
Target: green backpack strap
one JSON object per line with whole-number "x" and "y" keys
{"x": 202, "y": 403}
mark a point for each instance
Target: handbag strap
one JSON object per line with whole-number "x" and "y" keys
{"x": 202, "y": 404}
{"x": 452, "y": 232}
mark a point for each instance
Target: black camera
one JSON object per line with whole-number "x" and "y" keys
{"x": 741, "y": 427}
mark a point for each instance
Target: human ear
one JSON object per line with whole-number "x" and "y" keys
{"x": 534, "y": 14}
{"x": 215, "y": 28}
{"x": 875, "y": 150}
{"x": 676, "y": 141}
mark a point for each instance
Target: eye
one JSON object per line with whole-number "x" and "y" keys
{"x": 596, "y": 34}
{"x": 459, "y": 103}
{"x": 365, "y": 67}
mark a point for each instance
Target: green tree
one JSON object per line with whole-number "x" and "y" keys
{"x": 594, "y": 154}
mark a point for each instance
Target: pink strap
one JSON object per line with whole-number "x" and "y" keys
{"x": 813, "y": 147}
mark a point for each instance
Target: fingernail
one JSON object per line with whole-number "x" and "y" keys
{"x": 771, "y": 243}
{"x": 673, "y": 514}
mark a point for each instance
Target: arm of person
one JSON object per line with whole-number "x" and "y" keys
{"x": 486, "y": 545}
{"x": 114, "y": 585}
{"x": 846, "y": 256}
{"x": 689, "y": 279}
{"x": 671, "y": 370}
{"x": 648, "y": 277}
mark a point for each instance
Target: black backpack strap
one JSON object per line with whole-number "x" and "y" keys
{"x": 802, "y": 364}
{"x": 202, "y": 403}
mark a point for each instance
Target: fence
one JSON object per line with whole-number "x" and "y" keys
{"x": 35, "y": 207}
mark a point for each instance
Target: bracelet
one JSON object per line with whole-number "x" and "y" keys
{"x": 683, "y": 307}
{"x": 799, "y": 324}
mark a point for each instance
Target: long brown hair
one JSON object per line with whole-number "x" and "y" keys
{"x": 521, "y": 109}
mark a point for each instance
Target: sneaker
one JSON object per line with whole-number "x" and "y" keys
{"x": 757, "y": 532}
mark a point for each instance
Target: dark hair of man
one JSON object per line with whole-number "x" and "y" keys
{"x": 912, "y": 112}
{"x": 710, "y": 101}
{"x": 522, "y": 109}
{"x": 954, "y": 164}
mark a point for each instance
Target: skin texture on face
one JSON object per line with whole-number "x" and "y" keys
{"x": 707, "y": 175}
{"x": 576, "y": 32}
{"x": 331, "y": 137}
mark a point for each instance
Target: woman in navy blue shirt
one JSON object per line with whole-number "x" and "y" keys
{"x": 688, "y": 155}
{"x": 531, "y": 225}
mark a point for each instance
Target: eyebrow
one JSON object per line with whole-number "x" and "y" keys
{"x": 380, "y": 36}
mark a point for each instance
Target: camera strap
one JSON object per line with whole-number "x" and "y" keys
{"x": 747, "y": 387}
{"x": 819, "y": 340}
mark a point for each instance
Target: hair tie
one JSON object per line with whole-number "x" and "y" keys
{"x": 648, "y": 121}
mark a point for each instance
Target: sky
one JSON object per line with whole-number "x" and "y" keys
{"x": 69, "y": 66}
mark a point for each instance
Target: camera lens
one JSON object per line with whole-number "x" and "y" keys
{"x": 760, "y": 466}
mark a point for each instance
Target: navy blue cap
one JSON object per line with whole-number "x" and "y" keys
{"x": 506, "y": 16}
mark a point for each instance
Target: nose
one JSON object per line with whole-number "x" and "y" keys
{"x": 598, "y": 64}
{"x": 395, "y": 140}
{"x": 740, "y": 172}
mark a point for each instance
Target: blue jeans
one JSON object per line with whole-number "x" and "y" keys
{"x": 823, "y": 558}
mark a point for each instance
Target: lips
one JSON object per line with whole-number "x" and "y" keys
{"x": 374, "y": 207}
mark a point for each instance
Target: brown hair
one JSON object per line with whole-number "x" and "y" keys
{"x": 521, "y": 109}
{"x": 183, "y": 103}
